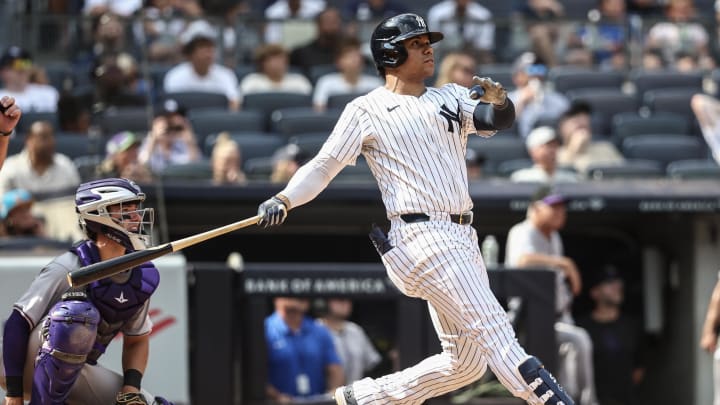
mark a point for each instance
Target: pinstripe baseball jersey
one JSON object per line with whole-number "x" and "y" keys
{"x": 415, "y": 146}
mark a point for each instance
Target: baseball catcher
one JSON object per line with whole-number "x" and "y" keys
{"x": 55, "y": 335}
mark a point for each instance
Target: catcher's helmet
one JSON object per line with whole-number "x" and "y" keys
{"x": 92, "y": 201}
{"x": 386, "y": 41}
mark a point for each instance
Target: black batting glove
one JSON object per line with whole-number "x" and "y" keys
{"x": 272, "y": 212}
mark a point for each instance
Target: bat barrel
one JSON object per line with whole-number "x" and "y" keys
{"x": 107, "y": 268}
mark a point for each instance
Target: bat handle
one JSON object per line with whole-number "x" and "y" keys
{"x": 476, "y": 92}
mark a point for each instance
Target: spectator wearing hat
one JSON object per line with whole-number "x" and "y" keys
{"x": 286, "y": 161}
{"x": 16, "y": 68}
{"x": 533, "y": 100}
{"x": 171, "y": 140}
{"x": 578, "y": 150}
{"x": 536, "y": 243}
{"x": 349, "y": 78}
{"x": 226, "y": 161}
{"x": 17, "y": 217}
{"x": 200, "y": 73}
{"x": 272, "y": 74}
{"x": 121, "y": 159}
{"x": 542, "y": 144}
{"x": 618, "y": 352}
{"x": 8, "y": 120}
{"x": 38, "y": 168}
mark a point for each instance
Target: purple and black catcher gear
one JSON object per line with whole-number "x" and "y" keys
{"x": 71, "y": 329}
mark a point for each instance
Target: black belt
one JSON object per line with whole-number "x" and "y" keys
{"x": 462, "y": 219}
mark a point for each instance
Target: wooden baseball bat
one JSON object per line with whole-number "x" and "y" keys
{"x": 107, "y": 268}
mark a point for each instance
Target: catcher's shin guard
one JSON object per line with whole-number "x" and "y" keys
{"x": 543, "y": 384}
{"x": 70, "y": 332}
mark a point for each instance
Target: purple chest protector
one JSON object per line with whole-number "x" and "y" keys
{"x": 116, "y": 302}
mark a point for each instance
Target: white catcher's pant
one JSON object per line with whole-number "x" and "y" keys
{"x": 440, "y": 262}
{"x": 95, "y": 384}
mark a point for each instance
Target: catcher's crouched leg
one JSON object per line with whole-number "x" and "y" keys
{"x": 69, "y": 335}
{"x": 542, "y": 383}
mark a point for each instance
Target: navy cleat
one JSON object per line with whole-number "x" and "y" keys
{"x": 543, "y": 384}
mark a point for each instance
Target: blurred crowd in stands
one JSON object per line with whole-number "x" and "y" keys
{"x": 231, "y": 92}
{"x": 234, "y": 92}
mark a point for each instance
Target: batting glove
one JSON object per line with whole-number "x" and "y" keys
{"x": 272, "y": 212}
{"x": 488, "y": 91}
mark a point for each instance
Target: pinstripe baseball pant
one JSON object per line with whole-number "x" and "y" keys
{"x": 440, "y": 262}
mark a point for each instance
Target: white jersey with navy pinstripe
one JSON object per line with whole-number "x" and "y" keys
{"x": 415, "y": 146}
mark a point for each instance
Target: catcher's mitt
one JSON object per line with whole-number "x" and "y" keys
{"x": 130, "y": 398}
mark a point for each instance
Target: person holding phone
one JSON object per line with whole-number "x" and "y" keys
{"x": 171, "y": 139}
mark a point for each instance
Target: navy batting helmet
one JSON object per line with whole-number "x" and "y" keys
{"x": 387, "y": 39}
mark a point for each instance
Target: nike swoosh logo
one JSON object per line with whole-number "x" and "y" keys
{"x": 390, "y": 109}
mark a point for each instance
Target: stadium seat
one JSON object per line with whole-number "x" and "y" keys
{"x": 194, "y": 171}
{"x": 27, "y": 119}
{"x": 243, "y": 70}
{"x": 16, "y": 144}
{"x": 341, "y": 100}
{"x": 317, "y": 71}
{"x": 358, "y": 173}
{"x": 694, "y": 169}
{"x": 629, "y": 124}
{"x": 605, "y": 103}
{"x": 501, "y": 73}
{"x": 157, "y": 72}
{"x": 297, "y": 120}
{"x": 252, "y": 145}
{"x": 259, "y": 168}
{"x": 652, "y": 80}
{"x": 310, "y": 142}
{"x": 117, "y": 120}
{"x": 508, "y": 167}
{"x": 565, "y": 80}
{"x": 675, "y": 100}
{"x": 197, "y": 99}
{"x": 498, "y": 149}
{"x": 663, "y": 149}
{"x": 60, "y": 74}
{"x": 87, "y": 165}
{"x": 266, "y": 103}
{"x": 630, "y": 169}
{"x": 74, "y": 146}
{"x": 206, "y": 121}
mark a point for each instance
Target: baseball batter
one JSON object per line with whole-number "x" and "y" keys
{"x": 55, "y": 335}
{"x": 414, "y": 139}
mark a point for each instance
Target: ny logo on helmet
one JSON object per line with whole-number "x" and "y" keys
{"x": 420, "y": 21}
